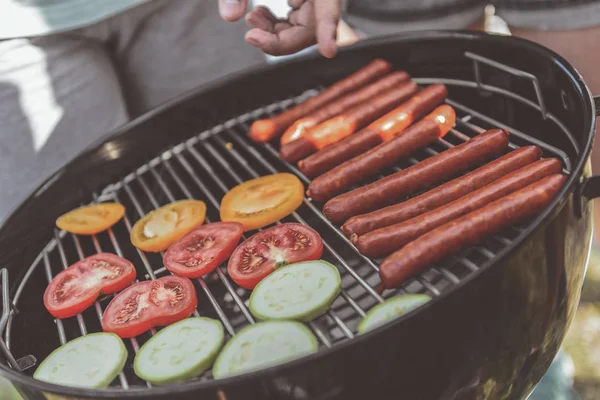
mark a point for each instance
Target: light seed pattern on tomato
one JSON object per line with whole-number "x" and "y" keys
{"x": 64, "y": 286}
{"x": 251, "y": 259}
{"x": 106, "y": 270}
{"x": 270, "y": 249}
{"x": 174, "y": 293}
{"x": 201, "y": 243}
{"x": 194, "y": 250}
{"x": 137, "y": 304}
{"x": 300, "y": 240}
{"x": 131, "y": 310}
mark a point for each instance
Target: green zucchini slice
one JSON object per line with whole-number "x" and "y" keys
{"x": 391, "y": 309}
{"x": 180, "y": 351}
{"x": 90, "y": 361}
{"x": 263, "y": 345}
{"x": 300, "y": 291}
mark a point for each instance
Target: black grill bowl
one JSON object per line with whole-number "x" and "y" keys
{"x": 491, "y": 335}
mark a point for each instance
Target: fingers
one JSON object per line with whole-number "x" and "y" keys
{"x": 280, "y": 37}
{"x": 286, "y": 39}
{"x": 261, "y": 18}
{"x": 295, "y": 4}
{"x": 232, "y": 10}
{"x": 327, "y": 16}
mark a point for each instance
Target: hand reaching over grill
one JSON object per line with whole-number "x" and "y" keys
{"x": 309, "y": 22}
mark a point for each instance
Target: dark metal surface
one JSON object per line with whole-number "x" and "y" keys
{"x": 490, "y": 336}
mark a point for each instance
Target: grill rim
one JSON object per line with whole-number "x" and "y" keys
{"x": 574, "y": 184}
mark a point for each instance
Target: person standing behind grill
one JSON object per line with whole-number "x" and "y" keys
{"x": 73, "y": 70}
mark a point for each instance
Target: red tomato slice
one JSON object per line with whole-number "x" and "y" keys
{"x": 275, "y": 247}
{"x": 77, "y": 287}
{"x": 147, "y": 304}
{"x": 203, "y": 249}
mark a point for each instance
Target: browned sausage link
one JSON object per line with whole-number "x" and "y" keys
{"x": 370, "y": 163}
{"x": 301, "y": 126}
{"x": 416, "y": 177}
{"x": 347, "y": 123}
{"x": 369, "y": 137}
{"x": 268, "y": 129}
{"x": 468, "y": 230}
{"x": 443, "y": 194}
{"x": 384, "y": 241}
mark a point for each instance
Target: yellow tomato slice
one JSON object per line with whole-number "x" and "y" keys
{"x": 160, "y": 228}
{"x": 90, "y": 220}
{"x": 262, "y": 201}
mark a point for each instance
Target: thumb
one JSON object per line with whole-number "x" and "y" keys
{"x": 232, "y": 10}
{"x": 327, "y": 16}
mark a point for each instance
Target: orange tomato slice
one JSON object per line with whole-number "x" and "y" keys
{"x": 262, "y": 201}
{"x": 89, "y": 220}
{"x": 160, "y": 228}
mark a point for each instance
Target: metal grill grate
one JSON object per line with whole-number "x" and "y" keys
{"x": 207, "y": 166}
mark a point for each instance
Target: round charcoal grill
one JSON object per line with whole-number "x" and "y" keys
{"x": 500, "y": 309}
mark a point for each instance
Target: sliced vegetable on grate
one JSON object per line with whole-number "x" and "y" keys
{"x": 272, "y": 248}
{"x": 203, "y": 249}
{"x": 147, "y": 304}
{"x": 91, "y": 361}
{"x": 160, "y": 228}
{"x": 89, "y": 220}
{"x": 179, "y": 352}
{"x": 391, "y": 309}
{"x": 263, "y": 345}
{"x": 262, "y": 201}
{"x": 300, "y": 291}
{"x": 76, "y": 288}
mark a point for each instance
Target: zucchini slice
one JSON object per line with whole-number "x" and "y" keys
{"x": 179, "y": 352}
{"x": 300, "y": 291}
{"x": 90, "y": 361}
{"x": 391, "y": 309}
{"x": 263, "y": 345}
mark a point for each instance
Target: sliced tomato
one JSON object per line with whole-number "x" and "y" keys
{"x": 272, "y": 248}
{"x": 147, "y": 304}
{"x": 90, "y": 220}
{"x": 262, "y": 201}
{"x": 203, "y": 249}
{"x": 160, "y": 228}
{"x": 77, "y": 287}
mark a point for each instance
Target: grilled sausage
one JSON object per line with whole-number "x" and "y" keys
{"x": 267, "y": 129}
{"x": 346, "y": 123}
{"x": 376, "y": 133}
{"x": 368, "y": 164}
{"x": 303, "y": 125}
{"x": 468, "y": 230}
{"x": 443, "y": 194}
{"x": 384, "y": 241}
{"x": 416, "y": 177}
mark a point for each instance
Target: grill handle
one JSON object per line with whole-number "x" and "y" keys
{"x": 590, "y": 187}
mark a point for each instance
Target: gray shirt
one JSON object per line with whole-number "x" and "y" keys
{"x": 27, "y": 18}
{"x": 387, "y": 16}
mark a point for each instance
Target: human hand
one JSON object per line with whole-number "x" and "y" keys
{"x": 309, "y": 22}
